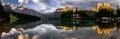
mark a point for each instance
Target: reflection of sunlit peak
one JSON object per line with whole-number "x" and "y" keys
{"x": 94, "y": 27}
{"x": 20, "y": 29}
{"x": 65, "y": 28}
{"x": 22, "y": 36}
{"x": 102, "y": 31}
{"x": 26, "y": 36}
{"x": 35, "y": 37}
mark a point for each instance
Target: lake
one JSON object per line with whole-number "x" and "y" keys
{"x": 59, "y": 29}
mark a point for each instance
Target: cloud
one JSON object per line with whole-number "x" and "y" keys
{"x": 36, "y": 1}
{"x": 23, "y": 1}
{"x": 81, "y": 4}
{"x": 45, "y": 6}
{"x": 51, "y": 5}
{"x": 50, "y": 31}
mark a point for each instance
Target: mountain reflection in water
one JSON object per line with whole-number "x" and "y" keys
{"x": 101, "y": 28}
{"x": 64, "y": 29}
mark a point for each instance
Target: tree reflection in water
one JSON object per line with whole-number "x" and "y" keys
{"x": 87, "y": 28}
{"x": 101, "y": 28}
{"x": 4, "y": 26}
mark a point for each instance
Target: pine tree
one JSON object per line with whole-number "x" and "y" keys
{"x": 1, "y": 10}
{"x": 2, "y": 14}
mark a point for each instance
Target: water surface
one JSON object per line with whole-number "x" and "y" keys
{"x": 62, "y": 29}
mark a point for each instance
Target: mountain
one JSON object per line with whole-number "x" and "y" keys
{"x": 24, "y": 10}
{"x": 21, "y": 12}
{"x": 96, "y": 9}
{"x": 7, "y": 8}
{"x": 103, "y": 6}
{"x": 66, "y": 9}
{"x": 52, "y": 15}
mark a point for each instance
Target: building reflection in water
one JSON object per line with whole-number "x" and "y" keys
{"x": 99, "y": 27}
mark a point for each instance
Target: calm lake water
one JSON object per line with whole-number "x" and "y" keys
{"x": 61, "y": 29}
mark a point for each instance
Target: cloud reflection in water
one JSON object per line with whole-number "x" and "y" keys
{"x": 49, "y": 31}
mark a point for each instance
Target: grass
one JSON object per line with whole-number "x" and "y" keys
{"x": 12, "y": 18}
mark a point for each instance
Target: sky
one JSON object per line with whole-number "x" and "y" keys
{"x": 51, "y": 5}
